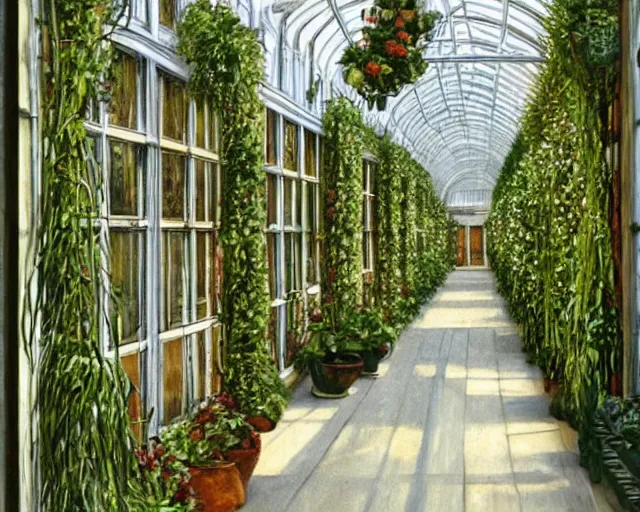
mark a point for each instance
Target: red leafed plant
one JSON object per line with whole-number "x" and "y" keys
{"x": 389, "y": 55}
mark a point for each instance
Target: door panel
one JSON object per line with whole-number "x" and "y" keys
{"x": 461, "y": 247}
{"x": 477, "y": 249}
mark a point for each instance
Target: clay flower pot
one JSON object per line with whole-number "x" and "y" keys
{"x": 332, "y": 377}
{"x": 261, "y": 424}
{"x": 218, "y": 488}
{"x": 246, "y": 460}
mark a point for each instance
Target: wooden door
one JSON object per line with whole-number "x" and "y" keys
{"x": 477, "y": 246}
{"x": 461, "y": 247}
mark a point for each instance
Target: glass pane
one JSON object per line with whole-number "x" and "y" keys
{"x": 364, "y": 212}
{"x": 294, "y": 329}
{"x": 200, "y": 367}
{"x": 288, "y": 202}
{"x": 204, "y": 257}
{"x": 173, "y": 182}
{"x": 309, "y": 153}
{"x": 312, "y": 277}
{"x": 372, "y": 178}
{"x": 126, "y": 160}
{"x": 167, "y": 12}
{"x": 365, "y": 251}
{"x": 201, "y": 190}
{"x": 289, "y": 263}
{"x": 214, "y": 133}
{"x": 200, "y": 124}
{"x": 173, "y": 247}
{"x": 174, "y": 108}
{"x": 215, "y": 185}
{"x": 272, "y": 199}
{"x": 364, "y": 175}
{"x": 273, "y": 333}
{"x": 216, "y": 378}
{"x": 124, "y": 91}
{"x": 132, "y": 369}
{"x": 290, "y": 146}
{"x": 311, "y": 207}
{"x": 218, "y": 272}
{"x": 272, "y": 129}
{"x": 125, "y": 285}
{"x": 172, "y": 379}
{"x": 299, "y": 193}
{"x": 272, "y": 255}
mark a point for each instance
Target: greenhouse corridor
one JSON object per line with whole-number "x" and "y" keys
{"x": 320, "y": 255}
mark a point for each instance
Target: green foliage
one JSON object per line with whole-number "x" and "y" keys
{"x": 84, "y": 440}
{"x": 342, "y": 219}
{"x": 548, "y": 232}
{"x": 227, "y": 65}
{"x": 390, "y": 53}
{"x": 207, "y": 435}
{"x": 415, "y": 231}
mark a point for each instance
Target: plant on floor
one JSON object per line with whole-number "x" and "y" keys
{"x": 84, "y": 440}
{"x": 227, "y": 69}
{"x": 342, "y": 189}
{"x": 210, "y": 432}
{"x": 548, "y": 231}
{"x": 389, "y": 55}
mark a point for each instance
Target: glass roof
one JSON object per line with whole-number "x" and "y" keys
{"x": 461, "y": 117}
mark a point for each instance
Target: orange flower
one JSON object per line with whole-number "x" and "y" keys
{"x": 407, "y": 14}
{"x": 371, "y": 19}
{"x": 403, "y": 36}
{"x": 372, "y": 69}
{"x": 399, "y": 22}
{"x": 394, "y": 49}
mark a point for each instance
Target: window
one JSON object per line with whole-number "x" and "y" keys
{"x": 368, "y": 228}
{"x": 291, "y": 154}
{"x": 123, "y": 104}
{"x": 168, "y": 13}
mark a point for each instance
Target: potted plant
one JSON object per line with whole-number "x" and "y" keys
{"x": 164, "y": 479}
{"x": 332, "y": 367}
{"x": 367, "y": 334}
{"x": 220, "y": 449}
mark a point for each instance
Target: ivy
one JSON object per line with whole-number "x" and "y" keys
{"x": 342, "y": 219}
{"x": 228, "y": 66}
{"x": 84, "y": 440}
{"x": 548, "y": 232}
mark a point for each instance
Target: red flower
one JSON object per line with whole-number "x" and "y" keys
{"x": 331, "y": 212}
{"x": 169, "y": 460}
{"x": 371, "y": 19}
{"x": 403, "y": 36}
{"x": 183, "y": 493}
{"x": 166, "y": 475}
{"x": 196, "y": 434}
{"x": 331, "y": 194}
{"x": 226, "y": 400}
{"x": 372, "y": 69}
{"x": 399, "y": 22}
{"x": 394, "y": 49}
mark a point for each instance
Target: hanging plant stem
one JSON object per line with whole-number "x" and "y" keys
{"x": 227, "y": 69}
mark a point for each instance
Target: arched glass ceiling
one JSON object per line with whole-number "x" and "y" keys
{"x": 461, "y": 117}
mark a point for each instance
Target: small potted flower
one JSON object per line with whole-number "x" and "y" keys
{"x": 220, "y": 449}
{"x": 332, "y": 366}
{"x": 369, "y": 336}
{"x": 164, "y": 479}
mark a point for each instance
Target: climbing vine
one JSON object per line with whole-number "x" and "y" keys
{"x": 548, "y": 232}
{"x": 342, "y": 189}
{"x": 84, "y": 447}
{"x": 227, "y": 69}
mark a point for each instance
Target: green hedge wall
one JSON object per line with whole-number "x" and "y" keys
{"x": 549, "y": 238}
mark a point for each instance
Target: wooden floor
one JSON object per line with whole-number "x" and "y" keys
{"x": 457, "y": 421}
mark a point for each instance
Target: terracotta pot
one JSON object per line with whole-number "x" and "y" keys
{"x": 261, "y": 424}
{"x": 332, "y": 378}
{"x": 245, "y": 460}
{"x": 218, "y": 488}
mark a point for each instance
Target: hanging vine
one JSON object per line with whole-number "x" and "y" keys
{"x": 548, "y": 232}
{"x": 342, "y": 189}
{"x": 228, "y": 66}
{"x": 84, "y": 440}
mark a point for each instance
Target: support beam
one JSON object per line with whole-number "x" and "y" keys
{"x": 499, "y": 58}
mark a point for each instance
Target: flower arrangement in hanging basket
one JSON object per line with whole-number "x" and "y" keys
{"x": 389, "y": 55}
